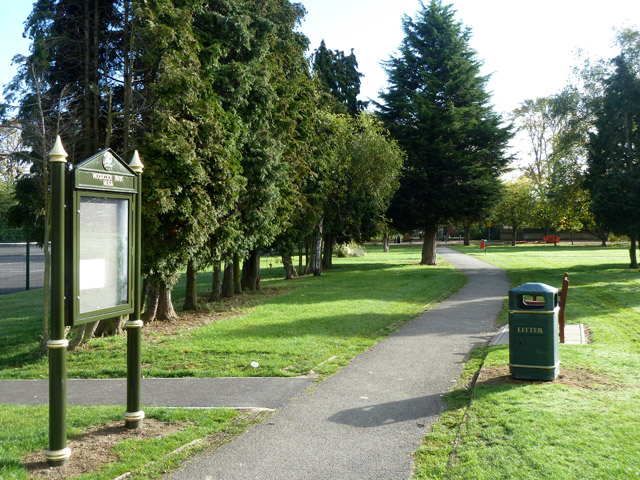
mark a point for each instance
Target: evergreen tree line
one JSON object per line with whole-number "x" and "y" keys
{"x": 245, "y": 144}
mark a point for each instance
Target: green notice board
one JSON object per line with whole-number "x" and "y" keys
{"x": 100, "y": 245}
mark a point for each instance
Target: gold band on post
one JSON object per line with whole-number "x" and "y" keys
{"x": 540, "y": 367}
{"x": 134, "y": 416}
{"x": 58, "y": 455}
{"x": 134, "y": 324}
{"x": 52, "y": 344}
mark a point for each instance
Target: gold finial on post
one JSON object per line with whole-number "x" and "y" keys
{"x": 58, "y": 153}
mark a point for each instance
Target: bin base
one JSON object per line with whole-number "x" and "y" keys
{"x": 535, "y": 372}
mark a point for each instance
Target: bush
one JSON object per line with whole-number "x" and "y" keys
{"x": 351, "y": 249}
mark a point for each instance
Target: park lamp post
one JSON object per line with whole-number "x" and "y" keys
{"x": 134, "y": 415}
{"x": 57, "y": 454}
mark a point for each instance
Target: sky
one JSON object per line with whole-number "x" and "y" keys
{"x": 13, "y": 13}
{"x": 527, "y": 46}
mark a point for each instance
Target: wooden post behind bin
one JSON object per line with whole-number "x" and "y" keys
{"x": 563, "y": 303}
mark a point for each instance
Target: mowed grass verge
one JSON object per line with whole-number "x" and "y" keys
{"x": 588, "y": 427}
{"x": 293, "y": 327}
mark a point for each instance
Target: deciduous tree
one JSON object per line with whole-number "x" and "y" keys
{"x": 517, "y": 206}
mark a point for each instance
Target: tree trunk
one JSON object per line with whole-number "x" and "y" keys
{"x": 307, "y": 256}
{"x": 77, "y": 339}
{"x": 251, "y": 271}
{"x": 95, "y": 81}
{"x": 153, "y": 298}
{"x": 216, "y": 282}
{"x": 604, "y": 236}
{"x": 429, "y": 245}
{"x": 165, "y": 305}
{"x": 514, "y": 234}
{"x": 317, "y": 252}
{"x": 46, "y": 290}
{"x": 467, "y": 235}
{"x": 255, "y": 271}
{"x": 245, "y": 274}
{"x": 300, "y": 258}
{"x": 191, "y": 291}
{"x": 289, "y": 268}
{"x": 237, "y": 279}
{"x": 385, "y": 242}
{"x": 227, "y": 282}
{"x": 327, "y": 259}
{"x": 44, "y": 337}
{"x": 109, "y": 128}
{"x": 127, "y": 54}
{"x": 632, "y": 251}
{"x": 143, "y": 294}
{"x": 86, "y": 84}
{"x": 111, "y": 326}
{"x": 83, "y": 335}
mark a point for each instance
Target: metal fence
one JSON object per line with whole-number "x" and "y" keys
{"x": 21, "y": 263}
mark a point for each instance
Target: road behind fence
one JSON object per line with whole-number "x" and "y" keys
{"x": 16, "y": 259}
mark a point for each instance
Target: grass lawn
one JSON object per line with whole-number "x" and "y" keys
{"x": 585, "y": 426}
{"x": 290, "y": 329}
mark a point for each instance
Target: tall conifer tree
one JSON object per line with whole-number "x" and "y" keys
{"x": 437, "y": 108}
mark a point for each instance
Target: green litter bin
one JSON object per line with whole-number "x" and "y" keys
{"x": 533, "y": 332}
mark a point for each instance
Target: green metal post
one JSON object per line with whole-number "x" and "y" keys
{"x": 28, "y": 265}
{"x": 134, "y": 415}
{"x": 58, "y": 454}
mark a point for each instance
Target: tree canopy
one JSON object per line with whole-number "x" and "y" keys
{"x": 338, "y": 74}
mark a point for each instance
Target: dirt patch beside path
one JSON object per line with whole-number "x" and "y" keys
{"x": 578, "y": 378}
{"x": 94, "y": 448}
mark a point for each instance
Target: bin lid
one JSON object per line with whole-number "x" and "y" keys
{"x": 532, "y": 288}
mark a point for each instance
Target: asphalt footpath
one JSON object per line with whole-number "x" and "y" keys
{"x": 365, "y": 421}
{"x": 242, "y": 393}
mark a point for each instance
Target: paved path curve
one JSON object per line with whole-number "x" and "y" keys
{"x": 366, "y": 420}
